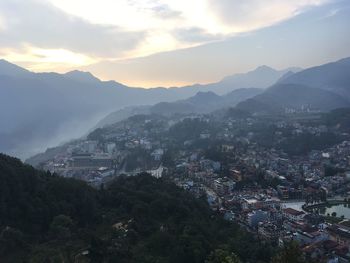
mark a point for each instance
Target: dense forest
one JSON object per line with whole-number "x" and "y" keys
{"x": 339, "y": 118}
{"x": 46, "y": 218}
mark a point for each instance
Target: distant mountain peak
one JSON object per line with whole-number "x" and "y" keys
{"x": 344, "y": 60}
{"x": 4, "y": 62}
{"x": 203, "y": 97}
{"x": 81, "y": 76}
{"x": 78, "y": 72}
{"x": 324, "y": 88}
{"x": 10, "y": 69}
{"x": 261, "y": 77}
{"x": 264, "y": 68}
{"x": 206, "y": 94}
{"x": 286, "y": 75}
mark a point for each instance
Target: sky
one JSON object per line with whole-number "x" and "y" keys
{"x": 150, "y": 43}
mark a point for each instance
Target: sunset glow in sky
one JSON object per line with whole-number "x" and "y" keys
{"x": 171, "y": 42}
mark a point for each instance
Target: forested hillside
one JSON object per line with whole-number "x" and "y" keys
{"x": 46, "y": 218}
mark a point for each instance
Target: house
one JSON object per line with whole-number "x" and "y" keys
{"x": 236, "y": 175}
{"x": 257, "y": 216}
{"x": 340, "y": 234}
{"x": 157, "y": 154}
{"x": 311, "y": 236}
{"x": 90, "y": 161}
{"x": 224, "y": 185}
{"x": 292, "y": 214}
{"x": 283, "y": 191}
{"x": 105, "y": 171}
{"x": 157, "y": 173}
{"x": 249, "y": 203}
{"x": 204, "y": 135}
{"x": 89, "y": 146}
{"x": 110, "y": 147}
{"x": 269, "y": 231}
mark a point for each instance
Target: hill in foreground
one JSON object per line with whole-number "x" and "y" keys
{"x": 46, "y": 218}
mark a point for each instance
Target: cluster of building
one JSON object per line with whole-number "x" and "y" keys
{"x": 275, "y": 221}
{"x": 248, "y": 182}
{"x": 261, "y": 208}
{"x": 101, "y": 157}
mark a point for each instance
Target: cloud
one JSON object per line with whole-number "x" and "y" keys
{"x": 88, "y": 31}
{"x": 163, "y": 11}
{"x": 39, "y": 24}
{"x": 173, "y": 21}
{"x": 36, "y": 59}
{"x": 2, "y": 24}
{"x": 195, "y": 35}
{"x": 332, "y": 13}
{"x": 242, "y": 16}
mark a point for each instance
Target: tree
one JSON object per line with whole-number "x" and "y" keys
{"x": 11, "y": 239}
{"x": 222, "y": 256}
{"x": 61, "y": 227}
{"x": 290, "y": 254}
{"x": 163, "y": 223}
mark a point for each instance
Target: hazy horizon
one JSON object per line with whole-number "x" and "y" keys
{"x": 174, "y": 131}
{"x": 167, "y": 87}
{"x": 185, "y": 84}
{"x": 159, "y": 43}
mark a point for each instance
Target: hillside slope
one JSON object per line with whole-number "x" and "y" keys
{"x": 333, "y": 77}
{"x": 40, "y": 110}
{"x": 202, "y": 102}
{"x": 281, "y": 97}
{"x": 322, "y": 88}
{"x": 45, "y": 218}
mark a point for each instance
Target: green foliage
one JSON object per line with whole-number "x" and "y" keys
{"x": 37, "y": 197}
{"x": 61, "y": 227}
{"x": 139, "y": 158}
{"x": 222, "y": 256}
{"x": 189, "y": 129}
{"x": 290, "y": 254}
{"x": 45, "y": 218}
{"x": 11, "y": 239}
{"x": 237, "y": 113}
{"x": 168, "y": 158}
{"x": 96, "y": 135}
{"x": 264, "y": 133}
{"x": 339, "y": 117}
{"x": 304, "y": 143}
{"x": 332, "y": 171}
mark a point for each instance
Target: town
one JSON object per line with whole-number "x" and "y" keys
{"x": 281, "y": 178}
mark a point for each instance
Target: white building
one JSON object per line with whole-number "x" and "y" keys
{"x": 292, "y": 214}
{"x": 257, "y": 216}
{"x": 157, "y": 173}
{"x": 110, "y": 147}
{"x": 157, "y": 154}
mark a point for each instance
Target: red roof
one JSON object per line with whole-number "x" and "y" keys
{"x": 293, "y": 212}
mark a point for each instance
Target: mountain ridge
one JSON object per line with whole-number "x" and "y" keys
{"x": 333, "y": 76}
{"x": 72, "y": 102}
{"x": 202, "y": 102}
{"x": 49, "y": 218}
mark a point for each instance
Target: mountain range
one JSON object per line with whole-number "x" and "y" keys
{"x": 48, "y": 218}
{"x": 320, "y": 88}
{"x": 39, "y": 110}
{"x": 262, "y": 77}
{"x": 201, "y": 103}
